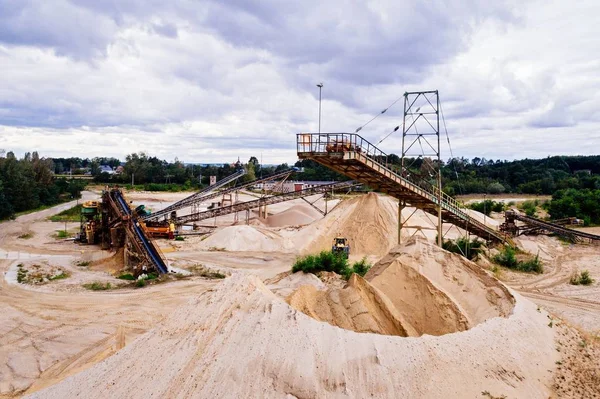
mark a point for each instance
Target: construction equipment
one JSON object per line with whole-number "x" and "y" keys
{"x": 531, "y": 225}
{"x": 121, "y": 226}
{"x": 341, "y": 246}
{"x": 89, "y": 227}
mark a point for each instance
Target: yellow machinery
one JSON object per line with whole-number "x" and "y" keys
{"x": 89, "y": 231}
{"x": 340, "y": 246}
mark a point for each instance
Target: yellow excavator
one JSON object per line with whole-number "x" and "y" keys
{"x": 340, "y": 246}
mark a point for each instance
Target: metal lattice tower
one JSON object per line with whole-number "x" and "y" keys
{"x": 421, "y": 140}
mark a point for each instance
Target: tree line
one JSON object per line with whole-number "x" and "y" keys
{"x": 29, "y": 183}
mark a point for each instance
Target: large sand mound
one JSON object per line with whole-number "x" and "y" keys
{"x": 438, "y": 292}
{"x": 241, "y": 341}
{"x": 297, "y": 215}
{"x": 417, "y": 289}
{"x": 368, "y": 221}
{"x": 243, "y": 238}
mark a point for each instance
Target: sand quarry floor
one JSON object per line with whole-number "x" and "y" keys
{"x": 422, "y": 323}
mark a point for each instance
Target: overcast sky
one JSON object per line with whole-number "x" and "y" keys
{"x": 208, "y": 81}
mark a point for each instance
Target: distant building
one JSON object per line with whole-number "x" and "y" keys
{"x": 107, "y": 169}
{"x": 289, "y": 186}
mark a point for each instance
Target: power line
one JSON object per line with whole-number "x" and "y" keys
{"x": 379, "y": 114}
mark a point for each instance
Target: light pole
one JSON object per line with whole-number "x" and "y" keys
{"x": 484, "y": 207}
{"x": 320, "y": 86}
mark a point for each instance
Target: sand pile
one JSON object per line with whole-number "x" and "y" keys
{"x": 358, "y": 307}
{"x": 436, "y": 291}
{"x": 242, "y": 341}
{"x": 368, "y": 221}
{"x": 243, "y": 238}
{"x": 297, "y": 215}
{"x": 417, "y": 289}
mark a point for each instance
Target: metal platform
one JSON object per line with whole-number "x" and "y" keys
{"x": 355, "y": 157}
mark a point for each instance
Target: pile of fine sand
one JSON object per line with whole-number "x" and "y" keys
{"x": 243, "y": 238}
{"x": 369, "y": 222}
{"x": 417, "y": 289}
{"x": 242, "y": 341}
{"x": 297, "y": 215}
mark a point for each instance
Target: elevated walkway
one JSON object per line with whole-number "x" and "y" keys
{"x": 355, "y": 157}
{"x": 258, "y": 203}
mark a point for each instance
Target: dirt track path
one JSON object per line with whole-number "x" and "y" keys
{"x": 46, "y": 336}
{"x": 578, "y": 305}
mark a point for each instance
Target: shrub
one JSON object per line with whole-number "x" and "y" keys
{"x": 495, "y": 188}
{"x": 83, "y": 263}
{"x": 62, "y": 234}
{"x": 470, "y": 249}
{"x": 126, "y": 276}
{"x": 330, "y": 262}
{"x": 60, "y": 276}
{"x": 531, "y": 266}
{"x": 140, "y": 283}
{"x": 152, "y": 276}
{"x": 180, "y": 238}
{"x": 507, "y": 257}
{"x": 582, "y": 278}
{"x": 361, "y": 267}
{"x": 96, "y": 286}
{"x": 530, "y": 207}
{"x": 487, "y": 206}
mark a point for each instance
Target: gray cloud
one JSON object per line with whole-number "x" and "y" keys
{"x": 239, "y": 76}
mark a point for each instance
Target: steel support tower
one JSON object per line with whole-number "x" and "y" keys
{"x": 421, "y": 141}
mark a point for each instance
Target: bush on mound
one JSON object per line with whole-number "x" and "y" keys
{"x": 327, "y": 261}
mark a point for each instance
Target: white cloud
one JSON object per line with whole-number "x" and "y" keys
{"x": 214, "y": 81}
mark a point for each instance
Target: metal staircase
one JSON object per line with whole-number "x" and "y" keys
{"x": 355, "y": 157}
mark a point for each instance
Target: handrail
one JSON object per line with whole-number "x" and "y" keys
{"x": 338, "y": 144}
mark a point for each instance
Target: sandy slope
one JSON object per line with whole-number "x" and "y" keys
{"x": 243, "y": 341}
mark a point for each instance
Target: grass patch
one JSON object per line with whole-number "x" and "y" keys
{"x": 62, "y": 234}
{"x": 582, "y": 278}
{"x": 507, "y": 258}
{"x": 84, "y": 263}
{"x": 180, "y": 238}
{"x": 140, "y": 283}
{"x": 21, "y": 273}
{"x": 68, "y": 215}
{"x": 96, "y": 286}
{"x": 126, "y": 276}
{"x": 330, "y": 262}
{"x": 60, "y": 276}
{"x": 202, "y": 271}
{"x": 212, "y": 249}
{"x": 26, "y": 236}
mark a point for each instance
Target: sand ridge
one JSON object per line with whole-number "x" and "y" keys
{"x": 241, "y": 340}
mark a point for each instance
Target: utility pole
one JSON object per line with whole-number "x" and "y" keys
{"x": 320, "y": 86}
